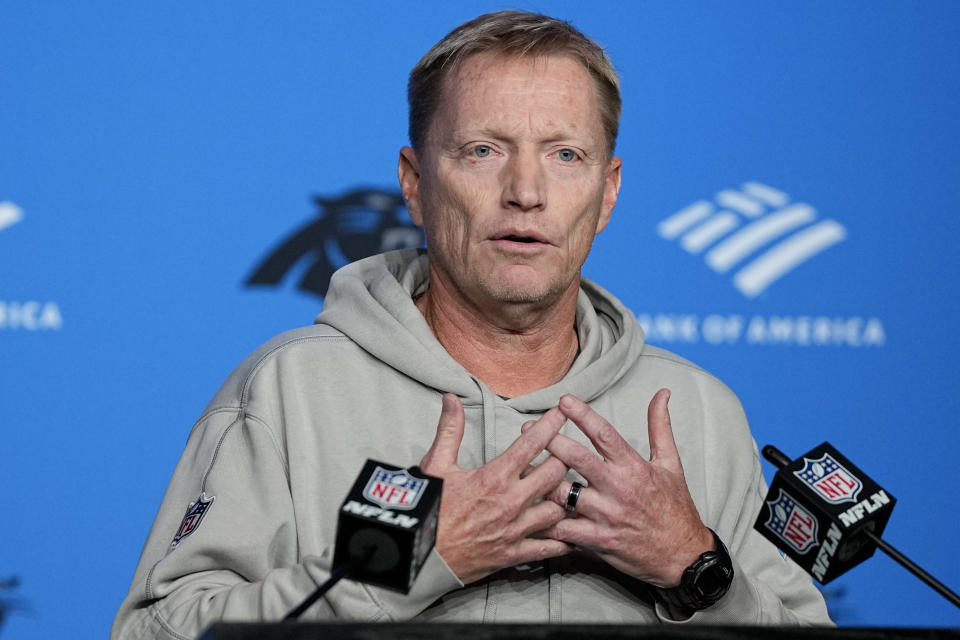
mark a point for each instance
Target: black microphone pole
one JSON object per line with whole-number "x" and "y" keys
{"x": 780, "y": 460}
{"x": 338, "y": 572}
{"x": 341, "y": 571}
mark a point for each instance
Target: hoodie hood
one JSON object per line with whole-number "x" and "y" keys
{"x": 371, "y": 302}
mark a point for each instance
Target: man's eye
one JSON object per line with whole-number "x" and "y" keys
{"x": 482, "y": 151}
{"x": 567, "y": 155}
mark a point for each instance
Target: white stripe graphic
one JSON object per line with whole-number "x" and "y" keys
{"x": 707, "y": 233}
{"x": 773, "y": 197}
{"x": 750, "y": 238}
{"x": 736, "y": 200}
{"x": 10, "y": 214}
{"x": 682, "y": 220}
{"x": 770, "y": 266}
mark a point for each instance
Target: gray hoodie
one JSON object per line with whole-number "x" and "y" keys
{"x": 275, "y": 452}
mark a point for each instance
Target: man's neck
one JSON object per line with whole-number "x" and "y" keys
{"x": 514, "y": 350}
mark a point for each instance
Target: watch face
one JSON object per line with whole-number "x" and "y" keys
{"x": 711, "y": 577}
{"x": 704, "y": 582}
{"x": 712, "y": 582}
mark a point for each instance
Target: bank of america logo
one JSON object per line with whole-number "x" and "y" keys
{"x": 10, "y": 214}
{"x": 754, "y": 232}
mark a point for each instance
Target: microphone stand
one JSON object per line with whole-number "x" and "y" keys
{"x": 780, "y": 460}
{"x": 912, "y": 567}
{"x": 338, "y": 572}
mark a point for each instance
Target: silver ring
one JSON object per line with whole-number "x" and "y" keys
{"x": 573, "y": 496}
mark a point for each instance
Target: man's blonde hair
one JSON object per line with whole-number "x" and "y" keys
{"x": 509, "y": 33}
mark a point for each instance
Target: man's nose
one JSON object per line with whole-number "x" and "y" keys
{"x": 524, "y": 186}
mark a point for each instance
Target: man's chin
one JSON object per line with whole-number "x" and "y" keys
{"x": 525, "y": 293}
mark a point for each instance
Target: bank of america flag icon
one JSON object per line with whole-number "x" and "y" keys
{"x": 755, "y": 232}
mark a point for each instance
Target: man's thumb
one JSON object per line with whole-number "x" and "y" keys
{"x": 446, "y": 445}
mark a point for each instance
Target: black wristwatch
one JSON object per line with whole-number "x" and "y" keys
{"x": 704, "y": 582}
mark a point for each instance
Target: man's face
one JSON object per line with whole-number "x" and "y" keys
{"x": 514, "y": 180}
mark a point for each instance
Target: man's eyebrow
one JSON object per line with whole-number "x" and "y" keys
{"x": 482, "y": 132}
{"x": 557, "y": 135}
{"x": 565, "y": 136}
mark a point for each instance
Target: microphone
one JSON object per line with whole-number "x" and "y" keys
{"x": 828, "y": 515}
{"x": 389, "y": 517}
{"x": 386, "y": 529}
{"x": 818, "y": 508}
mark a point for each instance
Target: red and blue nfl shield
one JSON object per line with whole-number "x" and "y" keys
{"x": 192, "y": 518}
{"x": 394, "y": 489}
{"x": 792, "y": 523}
{"x": 830, "y": 479}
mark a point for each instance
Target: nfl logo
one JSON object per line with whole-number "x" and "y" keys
{"x": 394, "y": 489}
{"x": 192, "y": 518}
{"x": 830, "y": 479}
{"x": 792, "y": 523}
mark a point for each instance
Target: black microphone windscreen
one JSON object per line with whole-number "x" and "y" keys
{"x": 388, "y": 525}
{"x": 817, "y": 510}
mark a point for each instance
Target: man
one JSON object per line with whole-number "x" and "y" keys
{"x": 564, "y": 494}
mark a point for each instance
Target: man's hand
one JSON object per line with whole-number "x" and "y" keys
{"x": 488, "y": 514}
{"x": 635, "y": 514}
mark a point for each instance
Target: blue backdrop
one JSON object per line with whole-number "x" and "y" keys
{"x": 787, "y": 220}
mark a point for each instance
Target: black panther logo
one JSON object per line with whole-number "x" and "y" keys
{"x": 359, "y": 224}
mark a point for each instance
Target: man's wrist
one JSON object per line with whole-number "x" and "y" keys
{"x": 700, "y": 544}
{"x": 702, "y": 583}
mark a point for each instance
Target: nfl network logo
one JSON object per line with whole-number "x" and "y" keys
{"x": 754, "y": 232}
{"x": 792, "y": 523}
{"x": 394, "y": 489}
{"x": 830, "y": 479}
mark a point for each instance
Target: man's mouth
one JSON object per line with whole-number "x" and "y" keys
{"x": 521, "y": 237}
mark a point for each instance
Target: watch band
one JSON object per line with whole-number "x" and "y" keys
{"x": 704, "y": 582}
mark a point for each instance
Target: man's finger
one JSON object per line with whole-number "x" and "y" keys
{"x": 540, "y": 516}
{"x": 543, "y": 478}
{"x": 604, "y": 437}
{"x": 576, "y": 531}
{"x": 534, "y": 549}
{"x": 534, "y": 439}
{"x": 663, "y": 448}
{"x": 561, "y": 495}
{"x": 446, "y": 444}
{"x": 578, "y": 457}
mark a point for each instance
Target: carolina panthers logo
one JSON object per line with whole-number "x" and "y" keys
{"x": 359, "y": 224}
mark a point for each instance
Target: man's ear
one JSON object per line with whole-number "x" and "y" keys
{"x": 611, "y": 189}
{"x": 408, "y": 172}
